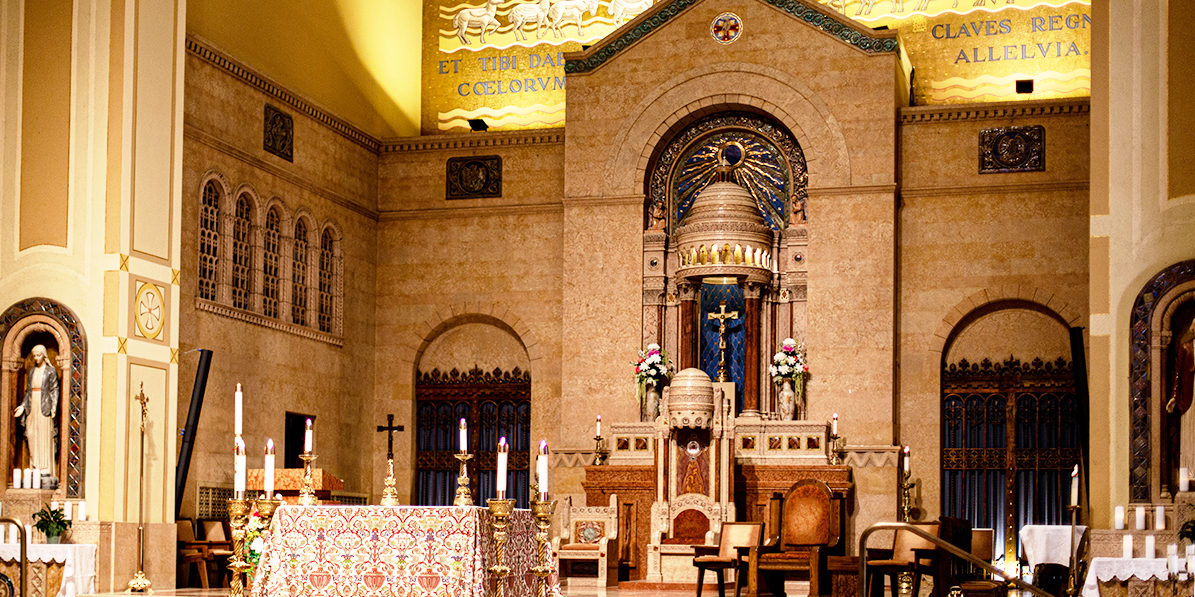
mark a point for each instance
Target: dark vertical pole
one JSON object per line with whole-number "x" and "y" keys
{"x": 751, "y": 306}
{"x": 688, "y": 334}
{"x": 1079, "y": 366}
{"x": 184, "y": 457}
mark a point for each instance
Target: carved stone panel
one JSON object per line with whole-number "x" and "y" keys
{"x": 1012, "y": 149}
{"x": 474, "y": 177}
{"x": 279, "y": 133}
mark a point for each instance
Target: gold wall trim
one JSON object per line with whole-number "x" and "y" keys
{"x": 1002, "y": 189}
{"x": 202, "y": 50}
{"x": 274, "y": 324}
{"x": 553, "y": 136}
{"x": 992, "y": 111}
{"x": 471, "y": 212}
{"x": 194, "y": 134}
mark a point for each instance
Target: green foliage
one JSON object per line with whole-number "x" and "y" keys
{"x": 51, "y": 522}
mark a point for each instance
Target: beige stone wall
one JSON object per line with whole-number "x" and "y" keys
{"x": 968, "y": 240}
{"x": 333, "y": 181}
{"x": 481, "y": 267}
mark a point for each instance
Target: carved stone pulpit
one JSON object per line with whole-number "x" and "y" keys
{"x": 694, "y": 479}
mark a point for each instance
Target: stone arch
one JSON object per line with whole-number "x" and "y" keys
{"x": 685, "y": 96}
{"x": 995, "y": 298}
{"x": 493, "y": 314}
{"x": 17, "y": 323}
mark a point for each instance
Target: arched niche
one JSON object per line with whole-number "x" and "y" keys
{"x": 44, "y": 321}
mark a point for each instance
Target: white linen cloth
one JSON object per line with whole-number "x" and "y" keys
{"x": 78, "y": 559}
{"x": 1049, "y": 543}
{"x": 1105, "y": 569}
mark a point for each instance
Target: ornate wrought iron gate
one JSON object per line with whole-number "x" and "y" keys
{"x": 1010, "y": 437}
{"x": 495, "y": 404}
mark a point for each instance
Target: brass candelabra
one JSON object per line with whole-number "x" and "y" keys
{"x": 837, "y": 449}
{"x": 599, "y": 451}
{"x": 389, "y": 494}
{"x": 1072, "y": 577}
{"x": 500, "y": 510}
{"x": 238, "y": 518}
{"x": 307, "y": 492}
{"x": 906, "y": 497}
{"x": 463, "y": 496}
{"x": 542, "y": 511}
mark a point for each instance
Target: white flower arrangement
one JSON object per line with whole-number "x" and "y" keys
{"x": 789, "y": 363}
{"x": 653, "y": 365}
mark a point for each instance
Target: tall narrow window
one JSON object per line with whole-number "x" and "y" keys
{"x": 242, "y": 254}
{"x": 209, "y": 241}
{"x": 327, "y": 274}
{"x": 298, "y": 276}
{"x": 269, "y": 284}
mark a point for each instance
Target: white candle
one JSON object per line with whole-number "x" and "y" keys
{"x": 16, "y": 478}
{"x": 36, "y": 478}
{"x": 1184, "y": 479}
{"x": 464, "y": 439}
{"x": 82, "y": 509}
{"x": 28, "y": 534}
{"x": 906, "y": 459}
{"x": 1075, "y": 486}
{"x": 1150, "y": 551}
{"x": 834, "y": 424}
{"x": 27, "y": 476}
{"x": 238, "y": 403}
{"x": 239, "y": 470}
{"x": 1140, "y": 518}
{"x": 1128, "y": 546}
{"x": 1172, "y": 549}
{"x": 1160, "y": 518}
{"x": 502, "y": 449}
{"x": 66, "y": 509}
{"x": 269, "y": 472}
{"x": 1119, "y": 518}
{"x": 599, "y": 426}
{"x": 54, "y": 504}
{"x": 541, "y": 470}
{"x": 1172, "y": 564}
{"x": 307, "y": 438}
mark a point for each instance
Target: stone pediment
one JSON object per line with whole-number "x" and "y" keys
{"x": 822, "y": 19}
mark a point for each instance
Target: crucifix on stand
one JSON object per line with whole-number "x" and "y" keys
{"x": 722, "y": 316}
{"x": 389, "y": 494}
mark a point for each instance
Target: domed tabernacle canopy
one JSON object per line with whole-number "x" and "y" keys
{"x": 691, "y": 399}
{"x": 724, "y": 235}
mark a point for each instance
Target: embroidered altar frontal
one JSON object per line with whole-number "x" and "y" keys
{"x": 403, "y": 551}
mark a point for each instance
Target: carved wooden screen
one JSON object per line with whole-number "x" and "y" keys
{"x": 495, "y": 404}
{"x": 1010, "y": 435}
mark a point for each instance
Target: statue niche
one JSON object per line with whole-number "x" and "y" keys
{"x": 35, "y": 439}
{"x": 1179, "y": 380}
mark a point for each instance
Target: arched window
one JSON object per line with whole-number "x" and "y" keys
{"x": 298, "y": 276}
{"x": 242, "y": 254}
{"x": 269, "y": 284}
{"x": 209, "y": 241}
{"x": 327, "y": 276}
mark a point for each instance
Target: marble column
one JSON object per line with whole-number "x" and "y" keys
{"x": 751, "y": 340}
{"x": 688, "y": 325}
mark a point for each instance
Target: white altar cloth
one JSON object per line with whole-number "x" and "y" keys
{"x": 1105, "y": 569}
{"x": 79, "y": 560}
{"x": 1049, "y": 543}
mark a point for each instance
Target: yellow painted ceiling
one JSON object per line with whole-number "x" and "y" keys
{"x": 359, "y": 59}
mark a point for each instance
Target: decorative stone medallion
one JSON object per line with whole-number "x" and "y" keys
{"x": 1012, "y": 149}
{"x": 726, "y": 28}
{"x": 474, "y": 177}
{"x": 149, "y": 311}
{"x": 279, "y": 133}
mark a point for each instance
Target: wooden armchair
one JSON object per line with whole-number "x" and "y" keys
{"x": 589, "y": 533}
{"x": 216, "y": 534}
{"x": 191, "y": 551}
{"x": 806, "y": 526}
{"x": 737, "y": 537}
{"x": 909, "y": 553}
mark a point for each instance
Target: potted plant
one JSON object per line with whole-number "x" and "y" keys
{"x": 51, "y": 522}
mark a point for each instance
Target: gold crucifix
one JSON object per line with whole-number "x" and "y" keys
{"x": 722, "y": 316}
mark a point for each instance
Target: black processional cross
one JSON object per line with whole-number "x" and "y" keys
{"x": 389, "y": 428}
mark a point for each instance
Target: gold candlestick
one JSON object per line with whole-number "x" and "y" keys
{"x": 238, "y": 518}
{"x": 835, "y": 449}
{"x": 389, "y": 494}
{"x": 500, "y": 509}
{"x": 266, "y": 508}
{"x": 542, "y": 511}
{"x": 463, "y": 496}
{"x": 906, "y": 499}
{"x": 307, "y": 492}
{"x": 599, "y": 451}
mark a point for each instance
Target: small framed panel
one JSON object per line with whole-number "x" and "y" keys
{"x": 813, "y": 443}
{"x": 1012, "y": 149}
{"x": 622, "y": 444}
{"x": 747, "y": 442}
{"x": 474, "y": 177}
{"x": 641, "y": 444}
{"x": 278, "y": 136}
{"x": 794, "y": 442}
{"x": 774, "y": 442}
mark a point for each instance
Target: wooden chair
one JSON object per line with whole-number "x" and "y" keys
{"x": 191, "y": 551}
{"x": 737, "y": 537}
{"x": 979, "y": 583}
{"x": 805, "y": 526}
{"x": 949, "y": 571}
{"x": 903, "y": 557}
{"x": 589, "y": 533}
{"x": 219, "y": 545}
